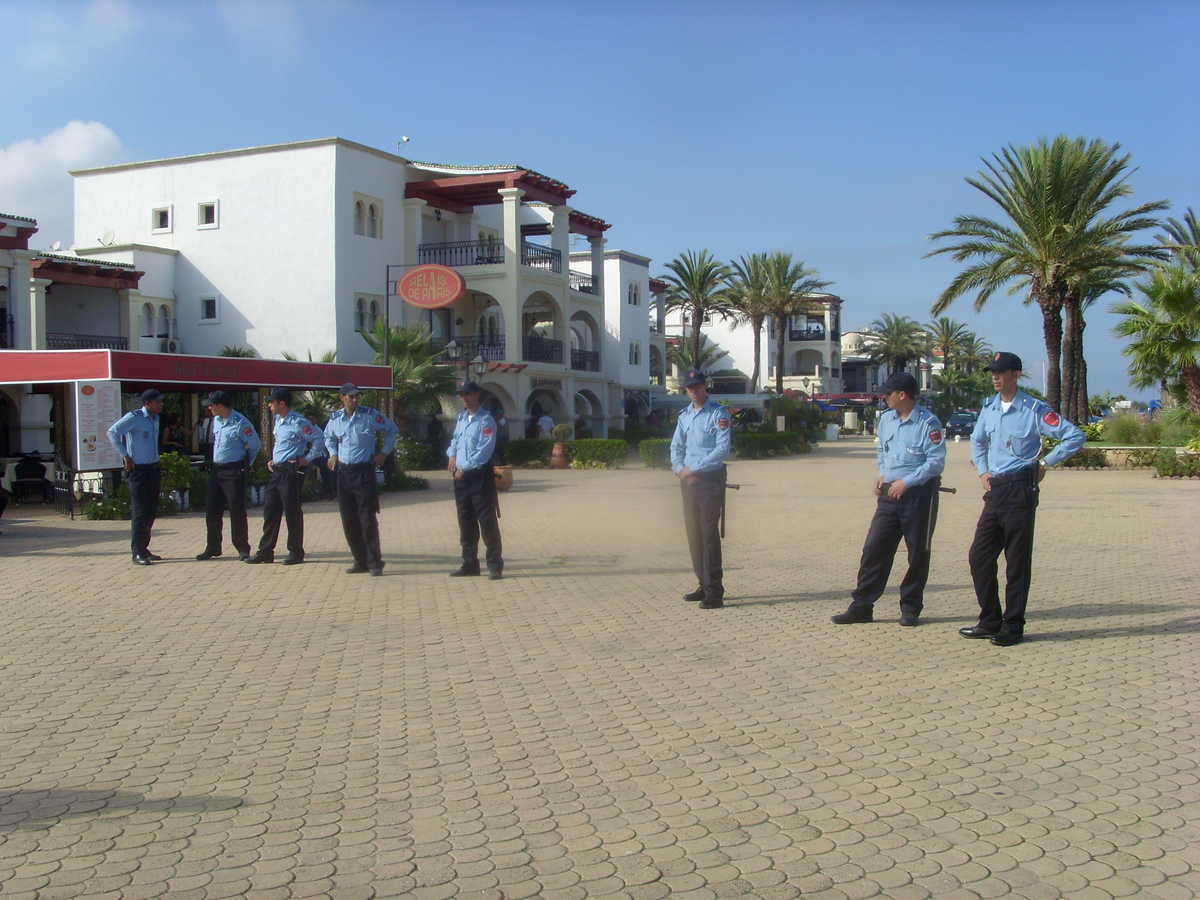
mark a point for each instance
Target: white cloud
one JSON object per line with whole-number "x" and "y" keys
{"x": 275, "y": 22}
{"x": 34, "y": 180}
{"x": 65, "y": 37}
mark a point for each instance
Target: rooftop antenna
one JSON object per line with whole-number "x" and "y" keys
{"x": 56, "y": 246}
{"x": 107, "y": 239}
{"x": 404, "y": 139}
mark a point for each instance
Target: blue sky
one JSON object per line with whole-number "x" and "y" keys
{"x": 838, "y": 131}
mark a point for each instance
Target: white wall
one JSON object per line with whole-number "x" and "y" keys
{"x": 76, "y": 309}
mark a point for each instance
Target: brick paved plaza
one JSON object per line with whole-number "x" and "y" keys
{"x": 221, "y": 730}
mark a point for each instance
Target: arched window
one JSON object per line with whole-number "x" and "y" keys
{"x": 164, "y": 321}
{"x": 372, "y": 221}
{"x": 147, "y": 320}
{"x": 635, "y": 353}
{"x": 359, "y": 217}
{"x": 359, "y": 315}
{"x": 374, "y": 314}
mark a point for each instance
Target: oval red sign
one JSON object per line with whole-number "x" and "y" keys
{"x": 431, "y": 286}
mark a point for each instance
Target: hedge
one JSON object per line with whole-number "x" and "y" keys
{"x": 755, "y": 445}
{"x": 417, "y": 456}
{"x": 656, "y": 452}
{"x": 1169, "y": 464}
{"x": 527, "y": 450}
{"x": 599, "y": 452}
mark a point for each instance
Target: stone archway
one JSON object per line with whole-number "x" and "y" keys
{"x": 543, "y": 401}
{"x": 589, "y": 414}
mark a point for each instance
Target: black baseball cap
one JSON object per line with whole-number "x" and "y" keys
{"x": 151, "y": 394}
{"x": 219, "y": 398}
{"x": 694, "y": 377}
{"x": 1004, "y": 362}
{"x": 468, "y": 387}
{"x": 282, "y": 394}
{"x": 901, "y": 381}
{"x": 350, "y": 389}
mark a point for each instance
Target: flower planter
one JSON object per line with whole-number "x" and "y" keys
{"x": 558, "y": 456}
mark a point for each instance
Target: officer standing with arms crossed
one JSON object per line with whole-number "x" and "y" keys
{"x": 135, "y": 437}
{"x": 1005, "y": 447}
{"x": 910, "y": 456}
{"x": 470, "y": 462}
{"x": 701, "y": 444}
{"x": 350, "y": 436}
{"x": 234, "y": 448}
{"x": 297, "y": 443}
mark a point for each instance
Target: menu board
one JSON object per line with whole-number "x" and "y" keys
{"x": 97, "y": 406}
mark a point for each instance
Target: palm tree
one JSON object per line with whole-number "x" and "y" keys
{"x": 974, "y": 352}
{"x": 1053, "y": 195}
{"x": 1165, "y": 331}
{"x": 419, "y": 373}
{"x": 238, "y": 352}
{"x": 788, "y": 287}
{"x": 696, "y": 284}
{"x": 946, "y": 335}
{"x": 896, "y": 341}
{"x": 316, "y": 406}
{"x": 1182, "y": 239}
{"x": 747, "y": 294}
{"x": 679, "y": 354}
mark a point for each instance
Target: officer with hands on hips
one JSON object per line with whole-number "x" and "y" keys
{"x": 1006, "y": 446}
{"x": 135, "y": 437}
{"x": 911, "y": 455}
{"x": 235, "y": 445}
{"x": 701, "y": 444}
{"x": 470, "y": 462}
{"x": 351, "y": 435}
{"x": 297, "y": 443}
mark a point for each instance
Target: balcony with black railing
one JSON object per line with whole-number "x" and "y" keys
{"x": 582, "y": 282}
{"x": 540, "y": 349}
{"x": 462, "y": 253}
{"x": 468, "y": 347}
{"x": 537, "y": 256}
{"x": 811, "y": 333}
{"x": 59, "y": 340}
{"x": 585, "y": 360}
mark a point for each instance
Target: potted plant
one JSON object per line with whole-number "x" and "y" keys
{"x": 176, "y": 478}
{"x": 257, "y": 479}
{"x": 558, "y": 456}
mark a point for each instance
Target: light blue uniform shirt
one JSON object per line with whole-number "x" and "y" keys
{"x": 234, "y": 439}
{"x": 293, "y": 433}
{"x": 703, "y": 438}
{"x": 135, "y": 435}
{"x": 352, "y": 438}
{"x": 474, "y": 439}
{"x": 1004, "y": 442}
{"x": 911, "y": 450}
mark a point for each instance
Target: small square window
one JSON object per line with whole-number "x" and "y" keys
{"x": 209, "y": 310}
{"x": 160, "y": 220}
{"x": 207, "y": 215}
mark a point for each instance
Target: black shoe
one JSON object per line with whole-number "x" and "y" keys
{"x": 855, "y": 615}
{"x": 293, "y": 560}
{"x": 464, "y": 570}
{"x": 977, "y": 631}
{"x": 244, "y": 557}
{"x": 909, "y": 619}
{"x": 495, "y": 574}
{"x": 141, "y": 560}
{"x": 357, "y": 569}
{"x": 1007, "y": 638}
{"x": 259, "y": 558}
{"x": 153, "y": 557}
{"x": 712, "y": 603}
{"x": 697, "y": 594}
{"x": 377, "y": 571}
{"x": 207, "y": 554}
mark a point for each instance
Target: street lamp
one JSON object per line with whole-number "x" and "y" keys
{"x": 479, "y": 366}
{"x": 452, "y": 351}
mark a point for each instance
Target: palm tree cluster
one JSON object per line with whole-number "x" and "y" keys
{"x": 1057, "y": 244}
{"x": 753, "y": 289}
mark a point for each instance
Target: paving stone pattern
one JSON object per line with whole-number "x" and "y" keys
{"x": 576, "y": 730}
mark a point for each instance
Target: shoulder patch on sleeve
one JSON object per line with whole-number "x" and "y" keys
{"x": 487, "y": 430}
{"x": 247, "y": 431}
{"x": 307, "y": 429}
{"x": 1051, "y": 418}
{"x": 379, "y": 420}
{"x": 723, "y": 422}
{"x": 935, "y": 436}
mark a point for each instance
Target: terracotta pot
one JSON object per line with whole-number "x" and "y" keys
{"x": 558, "y": 456}
{"x": 504, "y": 477}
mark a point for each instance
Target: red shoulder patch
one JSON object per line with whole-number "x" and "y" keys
{"x": 379, "y": 420}
{"x": 935, "y": 437}
{"x": 1051, "y": 418}
{"x": 487, "y": 431}
{"x": 308, "y": 429}
{"x": 722, "y": 423}
{"x": 247, "y": 431}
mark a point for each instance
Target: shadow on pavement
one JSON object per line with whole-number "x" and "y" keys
{"x": 1176, "y": 626}
{"x": 41, "y": 810}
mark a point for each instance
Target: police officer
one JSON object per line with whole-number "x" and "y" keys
{"x": 911, "y": 455}
{"x": 297, "y": 443}
{"x": 135, "y": 437}
{"x": 699, "y": 448}
{"x": 350, "y": 436}
{"x": 470, "y": 462}
{"x": 1006, "y": 447}
{"x": 235, "y": 444}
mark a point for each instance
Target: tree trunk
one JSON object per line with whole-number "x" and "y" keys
{"x": 756, "y": 326}
{"x": 780, "y": 335}
{"x": 1068, "y": 394}
{"x": 1082, "y": 407}
{"x": 1190, "y": 376}
{"x": 697, "y": 318}
{"x": 1052, "y": 332}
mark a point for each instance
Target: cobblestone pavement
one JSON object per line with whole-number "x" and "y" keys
{"x": 575, "y": 730}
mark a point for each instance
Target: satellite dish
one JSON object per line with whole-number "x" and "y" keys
{"x": 404, "y": 139}
{"x": 56, "y": 246}
{"x": 107, "y": 239}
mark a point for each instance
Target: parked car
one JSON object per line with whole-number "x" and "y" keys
{"x": 960, "y": 424}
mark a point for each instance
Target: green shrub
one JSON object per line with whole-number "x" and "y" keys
{"x": 176, "y": 472}
{"x": 402, "y": 481}
{"x": 616, "y": 434}
{"x": 1169, "y": 464}
{"x": 1123, "y": 429}
{"x": 604, "y": 453}
{"x": 1087, "y": 458}
{"x": 198, "y": 489}
{"x": 416, "y": 456}
{"x": 635, "y": 434}
{"x": 561, "y": 433}
{"x": 1140, "y": 459}
{"x": 523, "y": 451}
{"x": 1093, "y": 432}
{"x": 113, "y": 506}
{"x": 656, "y": 452}
{"x": 752, "y": 445}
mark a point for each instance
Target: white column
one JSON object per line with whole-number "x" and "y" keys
{"x": 35, "y": 423}
{"x": 414, "y": 208}
{"x": 508, "y": 292}
{"x": 37, "y": 312}
{"x": 598, "y": 265}
{"x": 462, "y": 225}
{"x": 560, "y": 237}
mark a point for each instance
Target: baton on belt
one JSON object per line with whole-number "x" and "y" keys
{"x": 733, "y": 487}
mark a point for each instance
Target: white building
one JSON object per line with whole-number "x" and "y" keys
{"x": 298, "y": 246}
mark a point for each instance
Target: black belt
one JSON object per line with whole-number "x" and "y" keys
{"x": 152, "y": 465}
{"x": 229, "y": 465}
{"x": 1026, "y": 474}
{"x": 342, "y": 465}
